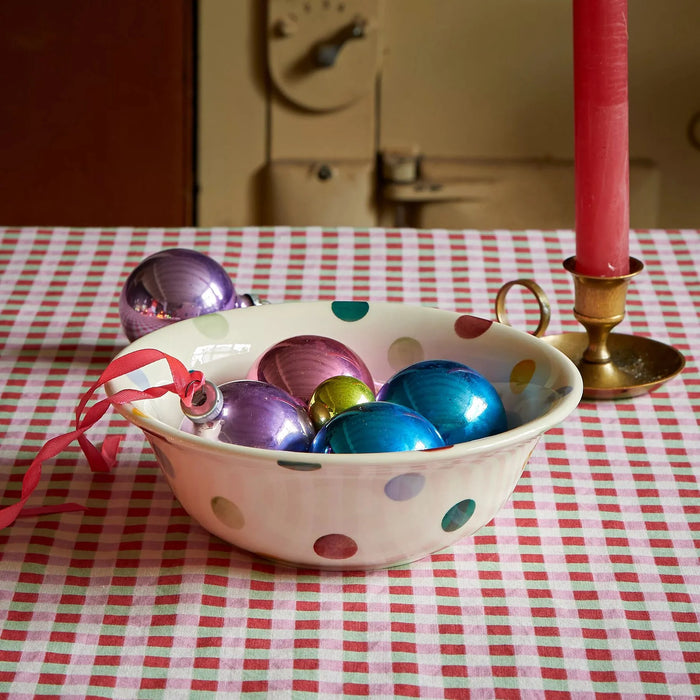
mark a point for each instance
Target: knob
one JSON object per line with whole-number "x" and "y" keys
{"x": 326, "y": 53}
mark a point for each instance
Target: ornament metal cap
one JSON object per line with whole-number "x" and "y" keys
{"x": 207, "y": 404}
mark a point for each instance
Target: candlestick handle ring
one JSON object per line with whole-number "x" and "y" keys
{"x": 540, "y": 296}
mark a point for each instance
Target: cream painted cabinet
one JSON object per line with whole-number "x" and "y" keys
{"x": 430, "y": 113}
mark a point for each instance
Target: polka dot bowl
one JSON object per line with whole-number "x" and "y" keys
{"x": 351, "y": 511}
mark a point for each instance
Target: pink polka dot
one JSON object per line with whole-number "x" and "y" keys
{"x": 335, "y": 546}
{"x": 467, "y": 326}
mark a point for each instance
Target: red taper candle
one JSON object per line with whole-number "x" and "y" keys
{"x": 601, "y": 128}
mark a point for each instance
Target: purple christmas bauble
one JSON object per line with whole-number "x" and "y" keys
{"x": 173, "y": 285}
{"x": 376, "y": 426}
{"x": 253, "y": 414}
{"x": 299, "y": 364}
{"x": 460, "y": 402}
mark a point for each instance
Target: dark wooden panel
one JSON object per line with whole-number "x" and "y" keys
{"x": 96, "y": 112}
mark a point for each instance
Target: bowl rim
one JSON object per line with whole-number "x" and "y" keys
{"x": 528, "y": 431}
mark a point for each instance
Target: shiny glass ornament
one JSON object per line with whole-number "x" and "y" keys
{"x": 173, "y": 285}
{"x": 299, "y": 364}
{"x": 250, "y": 413}
{"x": 335, "y": 395}
{"x": 376, "y": 427}
{"x": 460, "y": 402}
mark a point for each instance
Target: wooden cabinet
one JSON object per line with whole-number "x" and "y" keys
{"x": 96, "y": 121}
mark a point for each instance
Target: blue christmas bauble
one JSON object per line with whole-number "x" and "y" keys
{"x": 376, "y": 427}
{"x": 459, "y": 401}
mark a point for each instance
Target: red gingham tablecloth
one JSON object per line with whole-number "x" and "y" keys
{"x": 586, "y": 584}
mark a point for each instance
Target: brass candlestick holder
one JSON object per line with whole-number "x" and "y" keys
{"x": 612, "y": 365}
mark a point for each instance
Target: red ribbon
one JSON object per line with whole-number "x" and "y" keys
{"x": 184, "y": 384}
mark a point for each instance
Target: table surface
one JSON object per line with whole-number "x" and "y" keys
{"x": 586, "y": 583}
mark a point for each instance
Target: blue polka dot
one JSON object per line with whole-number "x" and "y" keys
{"x": 139, "y": 378}
{"x": 404, "y": 486}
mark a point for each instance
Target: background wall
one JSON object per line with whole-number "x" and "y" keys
{"x": 481, "y": 92}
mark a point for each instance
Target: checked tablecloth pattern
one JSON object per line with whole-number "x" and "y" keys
{"x": 586, "y": 584}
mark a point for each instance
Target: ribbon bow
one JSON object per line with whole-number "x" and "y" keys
{"x": 185, "y": 383}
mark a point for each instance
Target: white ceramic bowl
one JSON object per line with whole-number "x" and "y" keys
{"x": 354, "y": 511}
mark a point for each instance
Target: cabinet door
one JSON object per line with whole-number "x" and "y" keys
{"x": 96, "y": 118}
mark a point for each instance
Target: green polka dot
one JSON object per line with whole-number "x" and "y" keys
{"x": 299, "y": 466}
{"x": 350, "y": 310}
{"x": 458, "y": 515}
{"x": 227, "y": 512}
{"x": 404, "y": 352}
{"x": 213, "y": 326}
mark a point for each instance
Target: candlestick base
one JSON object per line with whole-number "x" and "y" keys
{"x": 637, "y": 365}
{"x": 612, "y": 365}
